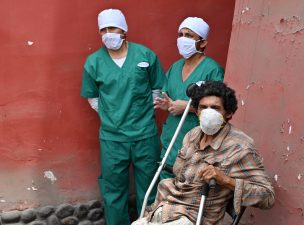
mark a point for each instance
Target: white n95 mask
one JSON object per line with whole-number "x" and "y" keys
{"x": 112, "y": 41}
{"x": 211, "y": 121}
{"x": 186, "y": 47}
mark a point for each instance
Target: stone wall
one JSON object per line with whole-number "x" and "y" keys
{"x": 90, "y": 213}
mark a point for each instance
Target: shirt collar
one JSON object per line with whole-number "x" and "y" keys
{"x": 218, "y": 140}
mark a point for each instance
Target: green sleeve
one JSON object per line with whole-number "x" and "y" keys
{"x": 89, "y": 87}
{"x": 166, "y": 81}
{"x": 157, "y": 74}
{"x": 217, "y": 74}
{"x": 165, "y": 86}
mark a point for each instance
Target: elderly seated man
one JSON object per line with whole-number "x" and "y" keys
{"x": 214, "y": 150}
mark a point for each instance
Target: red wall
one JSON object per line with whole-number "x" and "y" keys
{"x": 44, "y": 123}
{"x": 265, "y": 66}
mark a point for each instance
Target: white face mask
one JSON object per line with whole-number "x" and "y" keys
{"x": 211, "y": 121}
{"x": 186, "y": 47}
{"x": 112, "y": 41}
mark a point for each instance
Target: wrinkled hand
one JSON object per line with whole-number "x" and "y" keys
{"x": 162, "y": 103}
{"x": 166, "y": 103}
{"x": 210, "y": 172}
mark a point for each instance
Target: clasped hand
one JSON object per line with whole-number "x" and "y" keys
{"x": 176, "y": 107}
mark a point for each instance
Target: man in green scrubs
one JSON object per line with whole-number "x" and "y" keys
{"x": 193, "y": 67}
{"x": 122, "y": 76}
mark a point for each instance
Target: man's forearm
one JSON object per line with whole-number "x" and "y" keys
{"x": 229, "y": 183}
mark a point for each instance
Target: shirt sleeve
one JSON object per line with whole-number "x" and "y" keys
{"x": 165, "y": 86}
{"x": 216, "y": 74}
{"x": 157, "y": 74}
{"x": 253, "y": 187}
{"x": 93, "y": 103}
{"x": 166, "y": 80}
{"x": 89, "y": 87}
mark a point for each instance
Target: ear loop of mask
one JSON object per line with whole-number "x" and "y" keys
{"x": 196, "y": 48}
{"x": 123, "y": 36}
{"x": 224, "y": 123}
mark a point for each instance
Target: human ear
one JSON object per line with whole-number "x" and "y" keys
{"x": 203, "y": 44}
{"x": 124, "y": 35}
{"x": 228, "y": 116}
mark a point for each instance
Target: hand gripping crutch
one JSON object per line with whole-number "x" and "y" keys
{"x": 189, "y": 93}
{"x": 204, "y": 194}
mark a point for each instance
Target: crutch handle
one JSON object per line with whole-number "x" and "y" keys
{"x": 212, "y": 183}
{"x": 190, "y": 90}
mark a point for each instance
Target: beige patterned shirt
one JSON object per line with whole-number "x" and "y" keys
{"x": 231, "y": 151}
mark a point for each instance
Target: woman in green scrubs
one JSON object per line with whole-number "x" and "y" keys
{"x": 195, "y": 66}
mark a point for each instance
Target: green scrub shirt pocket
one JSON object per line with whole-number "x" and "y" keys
{"x": 141, "y": 86}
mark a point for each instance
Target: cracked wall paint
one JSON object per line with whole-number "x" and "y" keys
{"x": 265, "y": 66}
{"x": 50, "y": 175}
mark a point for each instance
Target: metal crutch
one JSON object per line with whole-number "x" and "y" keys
{"x": 204, "y": 194}
{"x": 189, "y": 93}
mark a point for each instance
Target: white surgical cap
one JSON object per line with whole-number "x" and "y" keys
{"x": 112, "y": 18}
{"x": 197, "y": 25}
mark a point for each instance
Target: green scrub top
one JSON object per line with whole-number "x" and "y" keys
{"x": 125, "y": 104}
{"x": 175, "y": 88}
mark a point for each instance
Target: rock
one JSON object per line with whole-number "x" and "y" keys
{"x": 11, "y": 217}
{"x": 81, "y": 211}
{"x": 28, "y": 215}
{"x": 37, "y": 223}
{"x": 95, "y": 214}
{"x": 45, "y": 211}
{"x": 85, "y": 222}
{"x": 93, "y": 204}
{"x": 71, "y": 220}
{"x": 53, "y": 220}
{"x": 13, "y": 223}
{"x": 100, "y": 222}
{"x": 64, "y": 210}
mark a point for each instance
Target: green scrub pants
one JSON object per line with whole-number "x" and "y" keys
{"x": 114, "y": 180}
